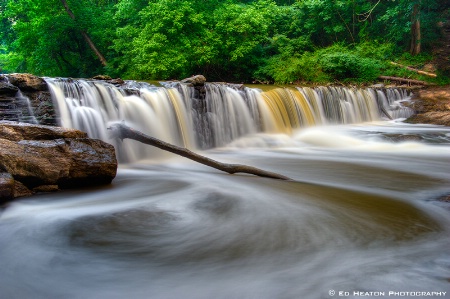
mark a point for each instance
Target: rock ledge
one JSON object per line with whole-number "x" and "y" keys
{"x": 432, "y": 106}
{"x": 37, "y": 158}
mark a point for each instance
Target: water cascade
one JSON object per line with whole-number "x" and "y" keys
{"x": 174, "y": 113}
{"x": 367, "y": 211}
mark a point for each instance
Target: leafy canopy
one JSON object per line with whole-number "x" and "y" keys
{"x": 227, "y": 40}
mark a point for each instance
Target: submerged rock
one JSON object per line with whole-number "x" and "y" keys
{"x": 106, "y": 78}
{"x": 46, "y": 158}
{"x": 403, "y": 137}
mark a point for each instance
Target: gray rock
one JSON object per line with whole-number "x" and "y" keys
{"x": 6, "y": 187}
{"x": 7, "y": 89}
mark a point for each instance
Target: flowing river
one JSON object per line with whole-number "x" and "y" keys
{"x": 367, "y": 214}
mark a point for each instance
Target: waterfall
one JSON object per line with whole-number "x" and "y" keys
{"x": 392, "y": 100}
{"x": 178, "y": 114}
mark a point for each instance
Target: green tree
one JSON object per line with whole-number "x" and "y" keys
{"x": 49, "y": 41}
{"x": 227, "y": 40}
{"x": 243, "y": 32}
{"x": 85, "y": 35}
{"x": 173, "y": 39}
{"x": 169, "y": 40}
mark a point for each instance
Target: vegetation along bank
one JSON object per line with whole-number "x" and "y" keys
{"x": 266, "y": 41}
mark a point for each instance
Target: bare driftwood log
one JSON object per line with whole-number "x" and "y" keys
{"x": 122, "y": 131}
{"x": 383, "y": 109}
{"x": 414, "y": 70}
{"x": 403, "y": 80}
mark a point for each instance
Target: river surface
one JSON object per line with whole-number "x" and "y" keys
{"x": 365, "y": 213}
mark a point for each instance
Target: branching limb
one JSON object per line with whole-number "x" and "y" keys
{"x": 122, "y": 131}
{"x": 366, "y": 15}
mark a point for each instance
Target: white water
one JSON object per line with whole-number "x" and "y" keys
{"x": 175, "y": 115}
{"x": 362, "y": 214}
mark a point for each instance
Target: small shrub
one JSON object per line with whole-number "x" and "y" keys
{"x": 282, "y": 69}
{"x": 347, "y": 66}
{"x": 375, "y": 50}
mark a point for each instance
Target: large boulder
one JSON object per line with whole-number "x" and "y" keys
{"x": 432, "y": 106}
{"x": 45, "y": 158}
{"x": 196, "y": 80}
{"x": 27, "y": 82}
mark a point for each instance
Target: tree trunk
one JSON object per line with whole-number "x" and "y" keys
{"x": 403, "y": 80}
{"x": 415, "y": 29}
{"x": 85, "y": 35}
{"x": 122, "y": 131}
{"x": 414, "y": 70}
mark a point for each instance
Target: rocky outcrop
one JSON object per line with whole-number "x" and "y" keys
{"x": 7, "y": 89}
{"x": 27, "y": 82}
{"x": 37, "y": 158}
{"x": 196, "y": 80}
{"x": 432, "y": 106}
{"x": 26, "y": 98}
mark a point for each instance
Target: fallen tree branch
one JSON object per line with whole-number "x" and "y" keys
{"x": 122, "y": 131}
{"x": 383, "y": 109}
{"x": 414, "y": 70}
{"x": 403, "y": 80}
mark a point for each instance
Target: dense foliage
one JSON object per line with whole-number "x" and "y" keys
{"x": 229, "y": 40}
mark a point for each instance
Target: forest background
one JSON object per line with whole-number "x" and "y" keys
{"x": 303, "y": 41}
